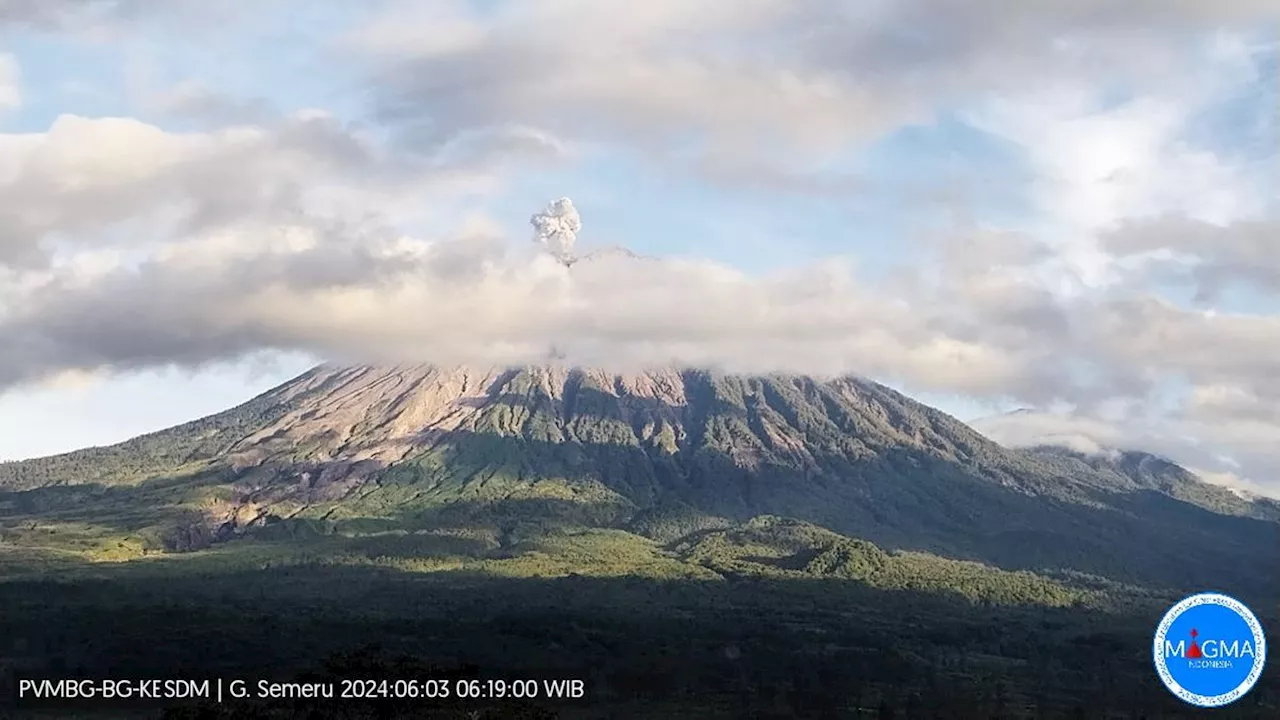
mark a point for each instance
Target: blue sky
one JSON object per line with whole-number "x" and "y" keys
{"x": 679, "y": 131}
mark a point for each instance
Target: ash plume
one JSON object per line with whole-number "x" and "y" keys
{"x": 556, "y": 229}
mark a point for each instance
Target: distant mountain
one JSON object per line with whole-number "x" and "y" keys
{"x": 500, "y": 456}
{"x": 1131, "y": 468}
{"x": 1152, "y": 472}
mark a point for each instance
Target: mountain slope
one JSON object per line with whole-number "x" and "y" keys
{"x": 1145, "y": 471}
{"x": 1083, "y": 444}
{"x": 502, "y": 455}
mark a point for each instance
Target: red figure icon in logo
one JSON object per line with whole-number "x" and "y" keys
{"x": 1193, "y": 652}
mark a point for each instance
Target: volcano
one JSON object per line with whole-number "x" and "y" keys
{"x": 664, "y": 454}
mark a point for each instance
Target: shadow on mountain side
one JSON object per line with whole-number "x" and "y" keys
{"x": 898, "y": 499}
{"x": 511, "y": 485}
{"x": 873, "y": 464}
{"x": 801, "y": 648}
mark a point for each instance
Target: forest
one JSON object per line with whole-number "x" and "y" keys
{"x": 836, "y": 629}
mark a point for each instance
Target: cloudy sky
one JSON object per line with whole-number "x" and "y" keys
{"x": 1070, "y": 207}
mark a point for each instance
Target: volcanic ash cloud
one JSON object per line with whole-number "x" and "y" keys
{"x": 556, "y": 229}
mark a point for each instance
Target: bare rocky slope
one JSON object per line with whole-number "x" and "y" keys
{"x": 505, "y": 453}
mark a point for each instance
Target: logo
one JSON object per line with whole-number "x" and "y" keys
{"x": 1209, "y": 650}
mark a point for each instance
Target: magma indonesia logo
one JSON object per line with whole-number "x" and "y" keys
{"x": 1209, "y": 650}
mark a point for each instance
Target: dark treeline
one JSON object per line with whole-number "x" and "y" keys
{"x": 747, "y": 647}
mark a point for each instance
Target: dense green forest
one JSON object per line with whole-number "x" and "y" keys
{"x": 775, "y": 617}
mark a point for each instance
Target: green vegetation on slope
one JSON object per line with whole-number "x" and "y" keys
{"x": 535, "y": 450}
{"x": 183, "y": 448}
{"x": 784, "y": 548}
{"x": 651, "y": 634}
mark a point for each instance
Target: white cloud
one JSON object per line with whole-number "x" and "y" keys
{"x": 99, "y": 17}
{"x": 10, "y": 83}
{"x": 1026, "y": 428}
{"x": 91, "y": 182}
{"x": 1101, "y": 166}
{"x": 337, "y": 289}
{"x": 1197, "y": 446}
{"x": 792, "y": 81}
{"x": 1213, "y": 257}
{"x": 192, "y": 99}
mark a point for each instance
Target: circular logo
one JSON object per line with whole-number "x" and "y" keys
{"x": 1209, "y": 650}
